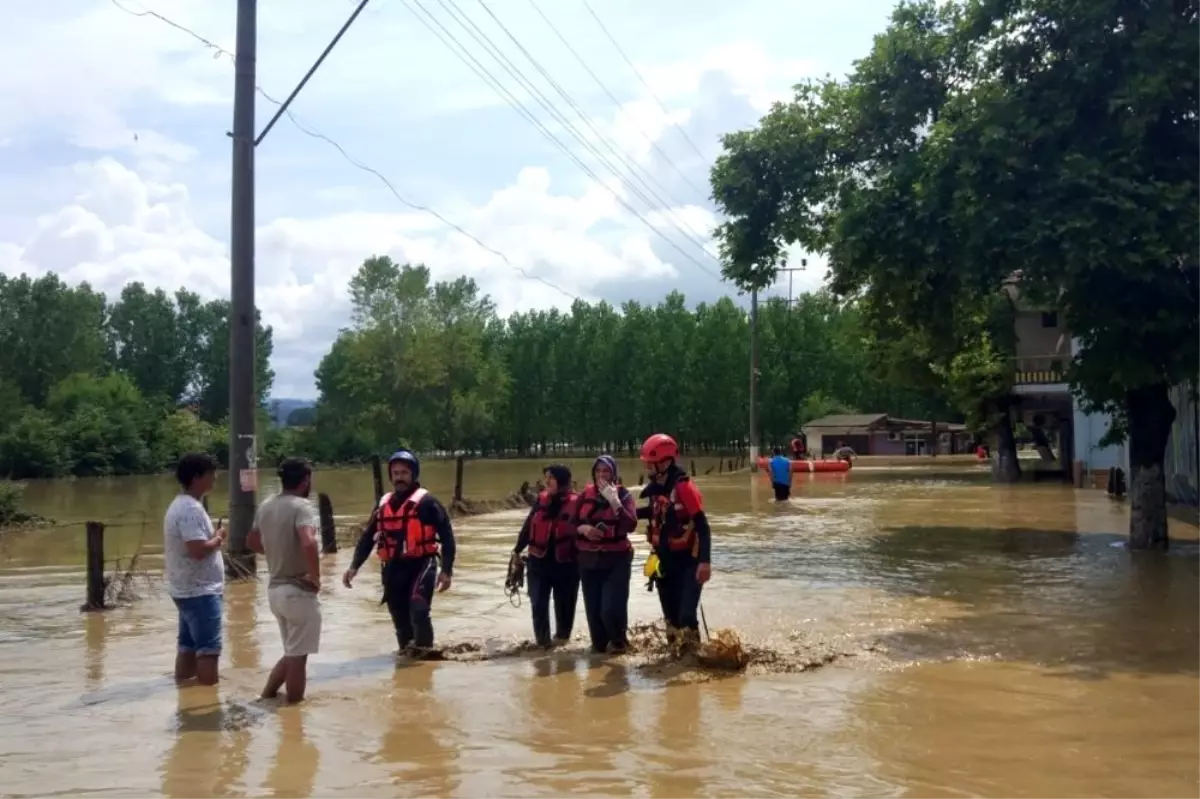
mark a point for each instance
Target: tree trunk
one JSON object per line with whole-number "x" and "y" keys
{"x": 1150, "y": 415}
{"x": 1005, "y": 466}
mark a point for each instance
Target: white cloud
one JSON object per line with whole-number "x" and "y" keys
{"x": 114, "y": 159}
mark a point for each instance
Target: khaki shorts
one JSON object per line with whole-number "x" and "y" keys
{"x": 299, "y": 615}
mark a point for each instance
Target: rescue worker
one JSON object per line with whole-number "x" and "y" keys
{"x": 605, "y": 516}
{"x": 405, "y": 531}
{"x": 799, "y": 446}
{"x": 781, "y": 475}
{"x": 549, "y": 532}
{"x": 680, "y": 538}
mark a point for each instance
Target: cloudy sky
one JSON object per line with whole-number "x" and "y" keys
{"x": 114, "y": 159}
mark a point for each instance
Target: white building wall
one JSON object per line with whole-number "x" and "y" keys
{"x": 1089, "y": 429}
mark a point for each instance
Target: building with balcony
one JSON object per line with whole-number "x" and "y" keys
{"x": 1044, "y": 350}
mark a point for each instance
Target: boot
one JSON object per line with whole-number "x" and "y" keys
{"x": 672, "y": 633}
{"x": 689, "y": 642}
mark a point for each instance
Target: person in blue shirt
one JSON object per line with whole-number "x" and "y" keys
{"x": 781, "y": 475}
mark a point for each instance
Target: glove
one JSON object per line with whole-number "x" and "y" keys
{"x": 652, "y": 571}
{"x": 610, "y": 493}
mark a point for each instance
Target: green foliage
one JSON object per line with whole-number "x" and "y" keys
{"x": 837, "y": 170}
{"x": 10, "y": 502}
{"x": 92, "y": 388}
{"x": 430, "y": 365}
{"x": 982, "y": 139}
{"x": 819, "y": 404}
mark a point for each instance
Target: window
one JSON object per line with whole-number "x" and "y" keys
{"x": 1049, "y": 318}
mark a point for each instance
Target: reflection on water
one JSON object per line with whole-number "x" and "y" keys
{"x": 297, "y": 759}
{"x": 979, "y": 626}
{"x": 677, "y": 763}
{"x": 419, "y": 743}
{"x": 209, "y": 754}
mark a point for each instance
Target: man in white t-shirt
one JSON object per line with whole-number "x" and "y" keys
{"x": 195, "y": 571}
{"x": 285, "y": 530}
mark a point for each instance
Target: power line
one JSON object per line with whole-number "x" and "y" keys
{"x": 220, "y": 51}
{"x": 617, "y": 103}
{"x": 482, "y": 38}
{"x": 463, "y": 53}
{"x": 682, "y": 132}
{"x": 634, "y": 170}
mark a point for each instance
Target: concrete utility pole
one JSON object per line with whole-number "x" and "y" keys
{"x": 243, "y": 449}
{"x": 753, "y": 380}
{"x": 754, "y": 371}
{"x": 243, "y": 327}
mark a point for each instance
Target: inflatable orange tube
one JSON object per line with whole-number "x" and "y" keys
{"x": 811, "y": 466}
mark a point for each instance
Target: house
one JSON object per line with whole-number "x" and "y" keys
{"x": 1044, "y": 350}
{"x": 880, "y": 434}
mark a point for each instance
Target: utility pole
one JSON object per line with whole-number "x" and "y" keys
{"x": 754, "y": 371}
{"x": 754, "y": 380}
{"x": 243, "y": 324}
{"x": 243, "y": 449}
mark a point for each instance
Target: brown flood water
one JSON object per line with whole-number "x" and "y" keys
{"x": 982, "y": 640}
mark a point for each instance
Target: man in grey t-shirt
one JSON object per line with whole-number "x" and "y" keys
{"x": 195, "y": 571}
{"x": 286, "y": 532}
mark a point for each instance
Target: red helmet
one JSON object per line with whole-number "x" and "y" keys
{"x": 659, "y": 447}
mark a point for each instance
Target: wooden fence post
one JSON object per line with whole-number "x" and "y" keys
{"x": 377, "y": 473}
{"x": 95, "y": 567}
{"x": 328, "y": 528}
{"x": 458, "y": 478}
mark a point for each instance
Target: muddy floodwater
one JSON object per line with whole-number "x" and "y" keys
{"x": 934, "y": 635}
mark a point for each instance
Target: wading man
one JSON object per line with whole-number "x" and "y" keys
{"x": 409, "y": 531}
{"x": 285, "y": 531}
{"x": 195, "y": 571}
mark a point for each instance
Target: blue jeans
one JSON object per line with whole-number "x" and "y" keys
{"x": 200, "y": 624}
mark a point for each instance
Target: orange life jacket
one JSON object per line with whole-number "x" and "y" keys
{"x": 594, "y": 509}
{"x": 543, "y": 530}
{"x": 399, "y": 533}
{"x": 669, "y": 516}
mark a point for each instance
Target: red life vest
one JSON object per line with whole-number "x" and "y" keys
{"x": 594, "y": 509}
{"x": 669, "y": 516}
{"x": 543, "y": 530}
{"x": 399, "y": 533}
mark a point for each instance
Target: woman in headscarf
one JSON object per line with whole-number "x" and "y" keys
{"x": 606, "y": 515}
{"x": 549, "y": 533}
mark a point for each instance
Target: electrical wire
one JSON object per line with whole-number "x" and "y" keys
{"x": 636, "y": 72}
{"x": 464, "y": 54}
{"x": 634, "y": 170}
{"x": 219, "y": 51}
{"x": 617, "y": 103}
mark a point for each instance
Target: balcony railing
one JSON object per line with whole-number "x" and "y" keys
{"x": 1040, "y": 370}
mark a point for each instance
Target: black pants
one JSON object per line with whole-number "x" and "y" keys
{"x": 606, "y": 601}
{"x": 548, "y": 576}
{"x": 408, "y": 591}
{"x": 679, "y": 593}
{"x": 782, "y": 491}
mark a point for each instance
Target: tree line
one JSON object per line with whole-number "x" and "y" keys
{"x": 982, "y": 154}
{"x": 432, "y": 366}
{"x": 90, "y": 387}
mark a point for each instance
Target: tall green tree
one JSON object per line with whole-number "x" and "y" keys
{"x": 978, "y": 141}
{"x": 431, "y": 365}
{"x": 89, "y": 387}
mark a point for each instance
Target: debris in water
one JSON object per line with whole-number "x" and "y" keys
{"x": 475, "y": 652}
{"x": 725, "y": 652}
